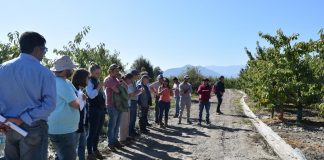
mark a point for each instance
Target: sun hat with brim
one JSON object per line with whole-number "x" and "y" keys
{"x": 63, "y": 63}
{"x": 134, "y": 72}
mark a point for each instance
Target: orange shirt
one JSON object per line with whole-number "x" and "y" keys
{"x": 166, "y": 94}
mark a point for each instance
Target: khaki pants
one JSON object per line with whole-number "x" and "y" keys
{"x": 124, "y": 126}
{"x": 185, "y": 102}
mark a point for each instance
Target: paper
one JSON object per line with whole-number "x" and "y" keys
{"x": 81, "y": 100}
{"x": 13, "y": 126}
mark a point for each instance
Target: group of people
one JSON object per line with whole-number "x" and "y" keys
{"x": 71, "y": 113}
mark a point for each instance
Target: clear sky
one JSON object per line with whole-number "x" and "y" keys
{"x": 170, "y": 33}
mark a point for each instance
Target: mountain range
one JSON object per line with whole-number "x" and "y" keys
{"x": 207, "y": 71}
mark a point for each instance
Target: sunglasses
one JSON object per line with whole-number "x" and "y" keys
{"x": 45, "y": 49}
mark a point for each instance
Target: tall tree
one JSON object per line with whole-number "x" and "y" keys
{"x": 143, "y": 64}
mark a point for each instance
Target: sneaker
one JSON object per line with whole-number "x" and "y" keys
{"x": 162, "y": 126}
{"x": 208, "y": 123}
{"x": 112, "y": 147}
{"x": 176, "y": 116}
{"x": 189, "y": 122}
{"x": 98, "y": 155}
{"x": 179, "y": 122}
{"x": 149, "y": 125}
{"x": 219, "y": 112}
{"x": 91, "y": 157}
{"x": 125, "y": 143}
{"x": 145, "y": 131}
{"x": 118, "y": 145}
{"x": 199, "y": 123}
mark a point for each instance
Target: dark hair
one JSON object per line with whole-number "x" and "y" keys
{"x": 79, "y": 78}
{"x": 221, "y": 77}
{"x": 129, "y": 76}
{"x": 93, "y": 67}
{"x": 167, "y": 80}
{"x": 29, "y": 40}
{"x": 175, "y": 78}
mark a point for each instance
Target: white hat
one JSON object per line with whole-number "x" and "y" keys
{"x": 186, "y": 77}
{"x": 63, "y": 63}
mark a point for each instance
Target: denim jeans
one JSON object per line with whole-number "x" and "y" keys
{"x": 81, "y": 144}
{"x": 203, "y": 105}
{"x": 143, "y": 117}
{"x": 220, "y": 100}
{"x": 177, "y": 105}
{"x": 133, "y": 115}
{"x": 157, "y": 108}
{"x": 64, "y": 145}
{"x": 113, "y": 124}
{"x": 33, "y": 146}
{"x": 164, "y": 107}
{"x": 96, "y": 121}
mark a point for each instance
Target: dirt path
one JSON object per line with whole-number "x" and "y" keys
{"x": 231, "y": 136}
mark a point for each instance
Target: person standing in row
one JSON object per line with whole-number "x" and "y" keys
{"x": 27, "y": 97}
{"x": 164, "y": 92}
{"x": 176, "y": 94}
{"x": 79, "y": 80}
{"x": 133, "y": 93}
{"x": 63, "y": 121}
{"x": 144, "y": 101}
{"x": 154, "y": 88}
{"x": 185, "y": 98}
{"x": 124, "y": 103}
{"x": 219, "y": 90}
{"x": 111, "y": 86}
{"x": 96, "y": 99}
{"x": 204, "y": 91}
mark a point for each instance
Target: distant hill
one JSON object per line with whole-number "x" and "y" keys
{"x": 227, "y": 71}
{"x": 213, "y": 71}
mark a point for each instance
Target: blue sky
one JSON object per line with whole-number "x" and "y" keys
{"x": 170, "y": 33}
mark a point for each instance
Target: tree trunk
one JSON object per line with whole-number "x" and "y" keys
{"x": 272, "y": 112}
{"x": 299, "y": 114}
{"x": 281, "y": 116}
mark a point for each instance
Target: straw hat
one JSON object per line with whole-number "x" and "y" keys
{"x": 63, "y": 63}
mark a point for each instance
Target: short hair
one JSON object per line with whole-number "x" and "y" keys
{"x": 93, "y": 67}
{"x": 29, "y": 40}
{"x": 129, "y": 76}
{"x": 221, "y": 77}
{"x": 79, "y": 78}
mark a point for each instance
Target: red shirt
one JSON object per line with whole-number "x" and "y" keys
{"x": 165, "y": 95}
{"x": 109, "y": 83}
{"x": 204, "y": 93}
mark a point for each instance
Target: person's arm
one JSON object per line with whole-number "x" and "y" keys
{"x": 91, "y": 92}
{"x": 47, "y": 101}
{"x": 75, "y": 104}
{"x": 199, "y": 90}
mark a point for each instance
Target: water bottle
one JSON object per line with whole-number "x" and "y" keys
{"x": 2, "y": 144}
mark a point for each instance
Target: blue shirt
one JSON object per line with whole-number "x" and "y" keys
{"x": 64, "y": 119}
{"x": 27, "y": 89}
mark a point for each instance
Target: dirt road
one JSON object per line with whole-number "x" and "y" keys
{"x": 231, "y": 136}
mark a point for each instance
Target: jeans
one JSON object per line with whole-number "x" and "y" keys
{"x": 132, "y": 115}
{"x": 157, "y": 108}
{"x": 164, "y": 107}
{"x": 81, "y": 144}
{"x": 177, "y": 105}
{"x": 220, "y": 100}
{"x": 113, "y": 125}
{"x": 96, "y": 121}
{"x": 203, "y": 105}
{"x": 33, "y": 146}
{"x": 143, "y": 117}
{"x": 64, "y": 145}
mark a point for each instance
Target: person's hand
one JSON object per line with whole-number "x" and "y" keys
{"x": 16, "y": 121}
{"x": 100, "y": 85}
{"x": 4, "y": 128}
